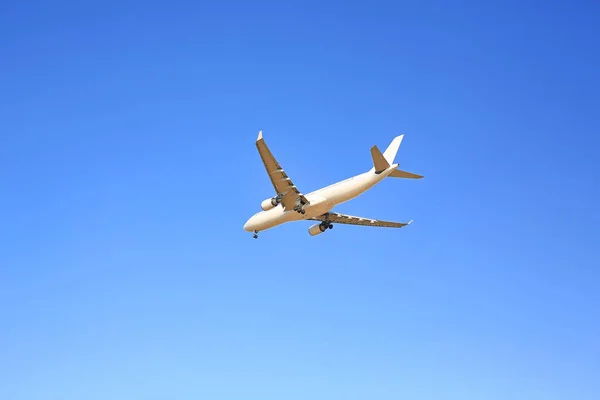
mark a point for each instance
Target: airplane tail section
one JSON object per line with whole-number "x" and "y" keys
{"x": 381, "y": 162}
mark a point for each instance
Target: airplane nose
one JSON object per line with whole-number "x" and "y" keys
{"x": 252, "y": 224}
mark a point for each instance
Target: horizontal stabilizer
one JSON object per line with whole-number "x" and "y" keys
{"x": 379, "y": 161}
{"x": 403, "y": 174}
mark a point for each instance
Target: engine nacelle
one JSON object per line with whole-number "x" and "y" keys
{"x": 268, "y": 204}
{"x": 316, "y": 229}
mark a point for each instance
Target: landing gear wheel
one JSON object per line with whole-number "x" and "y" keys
{"x": 302, "y": 211}
{"x": 330, "y": 226}
{"x": 255, "y": 236}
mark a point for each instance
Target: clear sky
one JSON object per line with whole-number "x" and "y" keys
{"x": 128, "y": 168}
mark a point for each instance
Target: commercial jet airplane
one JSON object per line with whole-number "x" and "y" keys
{"x": 289, "y": 204}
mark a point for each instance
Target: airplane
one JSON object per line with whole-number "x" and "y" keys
{"x": 289, "y": 204}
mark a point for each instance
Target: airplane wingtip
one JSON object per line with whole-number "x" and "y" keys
{"x": 259, "y": 135}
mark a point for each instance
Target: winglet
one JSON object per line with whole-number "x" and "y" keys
{"x": 259, "y": 135}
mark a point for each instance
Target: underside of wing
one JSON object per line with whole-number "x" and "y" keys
{"x": 283, "y": 185}
{"x": 351, "y": 220}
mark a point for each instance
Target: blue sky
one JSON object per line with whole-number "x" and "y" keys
{"x": 128, "y": 168}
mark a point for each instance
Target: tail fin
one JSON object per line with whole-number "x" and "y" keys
{"x": 383, "y": 161}
{"x": 380, "y": 163}
{"x": 390, "y": 152}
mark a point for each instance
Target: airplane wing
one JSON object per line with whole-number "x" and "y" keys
{"x": 350, "y": 220}
{"x": 284, "y": 187}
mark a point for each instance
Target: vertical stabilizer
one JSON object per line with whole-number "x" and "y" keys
{"x": 390, "y": 152}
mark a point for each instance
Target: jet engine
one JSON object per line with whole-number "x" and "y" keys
{"x": 317, "y": 229}
{"x": 268, "y": 204}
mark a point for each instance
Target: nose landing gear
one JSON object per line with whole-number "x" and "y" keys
{"x": 255, "y": 236}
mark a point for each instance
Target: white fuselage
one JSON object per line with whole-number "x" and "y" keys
{"x": 321, "y": 201}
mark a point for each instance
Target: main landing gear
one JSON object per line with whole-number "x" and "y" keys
{"x": 323, "y": 226}
{"x": 299, "y": 206}
{"x": 326, "y": 224}
{"x": 300, "y": 209}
